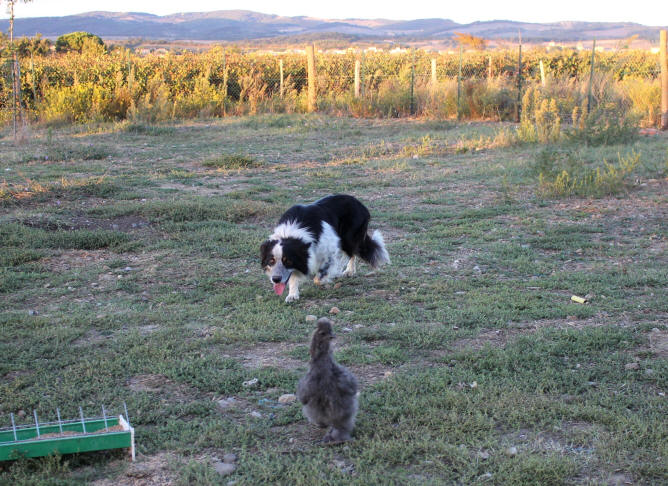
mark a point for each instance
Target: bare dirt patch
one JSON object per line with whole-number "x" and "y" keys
{"x": 70, "y": 259}
{"x": 160, "y": 384}
{"x": 658, "y": 342}
{"x": 619, "y": 479}
{"x": 202, "y": 190}
{"x": 299, "y": 436}
{"x": 122, "y": 223}
{"x": 371, "y": 374}
{"x": 92, "y": 337}
{"x": 500, "y": 337}
{"x": 147, "y": 471}
{"x": 16, "y": 374}
{"x": 561, "y": 440}
{"x": 266, "y": 355}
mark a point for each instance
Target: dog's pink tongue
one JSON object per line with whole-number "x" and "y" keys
{"x": 279, "y": 288}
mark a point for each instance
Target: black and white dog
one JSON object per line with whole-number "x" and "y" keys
{"x": 316, "y": 240}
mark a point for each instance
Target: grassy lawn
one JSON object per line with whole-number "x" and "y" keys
{"x": 129, "y": 271}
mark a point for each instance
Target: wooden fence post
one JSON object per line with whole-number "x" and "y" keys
{"x": 542, "y": 73}
{"x": 664, "y": 80}
{"x": 519, "y": 81}
{"x": 591, "y": 76}
{"x": 225, "y": 75}
{"x": 489, "y": 69}
{"x": 357, "y": 78}
{"x": 310, "y": 55}
{"x": 280, "y": 69}
{"x": 459, "y": 84}
{"x": 413, "y": 83}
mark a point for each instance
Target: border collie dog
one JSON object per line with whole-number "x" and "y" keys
{"x": 317, "y": 240}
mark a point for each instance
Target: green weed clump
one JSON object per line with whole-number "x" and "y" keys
{"x": 196, "y": 209}
{"x": 30, "y": 190}
{"x": 20, "y": 236}
{"x": 233, "y": 162}
{"x": 61, "y": 152}
{"x": 540, "y": 118}
{"x": 603, "y": 126}
{"x": 146, "y": 129}
{"x": 610, "y": 179}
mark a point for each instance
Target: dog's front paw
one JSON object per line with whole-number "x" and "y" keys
{"x": 291, "y": 298}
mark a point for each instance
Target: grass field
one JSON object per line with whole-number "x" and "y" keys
{"x": 129, "y": 272}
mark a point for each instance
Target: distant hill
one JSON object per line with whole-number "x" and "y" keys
{"x": 238, "y": 25}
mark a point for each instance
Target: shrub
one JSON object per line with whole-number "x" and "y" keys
{"x": 77, "y": 41}
{"x": 235, "y": 161}
{"x": 645, "y": 99}
{"x": 154, "y": 105}
{"x": 602, "y": 181}
{"x": 603, "y": 126}
{"x": 540, "y": 121}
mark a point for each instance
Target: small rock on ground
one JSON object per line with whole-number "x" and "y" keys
{"x": 226, "y": 403}
{"x": 229, "y": 458}
{"x": 311, "y": 318}
{"x": 334, "y": 310}
{"x": 250, "y": 382}
{"x": 287, "y": 398}
{"x": 224, "y": 468}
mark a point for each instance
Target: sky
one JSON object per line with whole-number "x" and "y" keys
{"x": 648, "y": 12}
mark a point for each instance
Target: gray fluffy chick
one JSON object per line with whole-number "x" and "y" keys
{"x": 328, "y": 391}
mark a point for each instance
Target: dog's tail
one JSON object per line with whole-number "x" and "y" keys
{"x": 373, "y": 250}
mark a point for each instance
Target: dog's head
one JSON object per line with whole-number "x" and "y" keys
{"x": 280, "y": 258}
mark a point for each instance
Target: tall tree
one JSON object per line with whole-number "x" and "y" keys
{"x": 16, "y": 82}
{"x": 10, "y": 10}
{"x": 470, "y": 40}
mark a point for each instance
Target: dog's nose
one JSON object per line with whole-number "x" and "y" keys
{"x": 276, "y": 278}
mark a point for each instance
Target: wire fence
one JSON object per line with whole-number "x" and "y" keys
{"x": 469, "y": 85}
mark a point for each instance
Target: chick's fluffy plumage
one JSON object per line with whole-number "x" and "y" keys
{"x": 329, "y": 390}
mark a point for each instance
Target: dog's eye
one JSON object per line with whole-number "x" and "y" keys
{"x": 286, "y": 262}
{"x": 272, "y": 261}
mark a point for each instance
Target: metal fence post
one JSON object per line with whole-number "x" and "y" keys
{"x": 459, "y": 84}
{"x": 363, "y": 74}
{"x": 280, "y": 69}
{"x": 16, "y": 94}
{"x": 664, "y": 80}
{"x": 310, "y": 57}
{"x": 519, "y": 81}
{"x": 413, "y": 84}
{"x": 357, "y": 78}
{"x": 489, "y": 69}
{"x": 591, "y": 77}
{"x": 224, "y": 74}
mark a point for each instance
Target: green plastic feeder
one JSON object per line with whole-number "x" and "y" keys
{"x": 66, "y": 437}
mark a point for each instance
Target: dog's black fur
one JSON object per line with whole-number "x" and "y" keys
{"x": 309, "y": 239}
{"x": 349, "y": 218}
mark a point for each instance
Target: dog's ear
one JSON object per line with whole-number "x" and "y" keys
{"x": 265, "y": 251}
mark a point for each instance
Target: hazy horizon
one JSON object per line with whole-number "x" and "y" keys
{"x": 485, "y": 10}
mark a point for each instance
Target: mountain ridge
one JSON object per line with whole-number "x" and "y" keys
{"x": 239, "y": 25}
